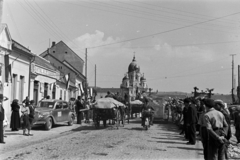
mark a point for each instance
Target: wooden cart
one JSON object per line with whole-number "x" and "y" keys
{"x": 108, "y": 109}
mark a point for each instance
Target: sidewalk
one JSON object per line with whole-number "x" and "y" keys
{"x": 16, "y": 138}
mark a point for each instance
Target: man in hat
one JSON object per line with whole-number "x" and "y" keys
{"x": 216, "y": 126}
{"x": 78, "y": 106}
{"x": 192, "y": 120}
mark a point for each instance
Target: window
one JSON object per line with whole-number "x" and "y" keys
{"x": 60, "y": 93}
{"x": 65, "y": 105}
{"x": 14, "y": 87}
{"x": 21, "y": 88}
{"x": 45, "y": 90}
{"x": 64, "y": 95}
{"x": 58, "y": 105}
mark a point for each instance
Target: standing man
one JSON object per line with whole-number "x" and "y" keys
{"x": 2, "y": 116}
{"x": 237, "y": 124}
{"x": 185, "y": 127}
{"x": 191, "y": 121}
{"x": 78, "y": 106}
{"x": 216, "y": 126}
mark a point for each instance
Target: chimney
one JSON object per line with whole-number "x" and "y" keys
{"x": 53, "y": 44}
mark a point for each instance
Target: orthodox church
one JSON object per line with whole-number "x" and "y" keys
{"x": 134, "y": 81}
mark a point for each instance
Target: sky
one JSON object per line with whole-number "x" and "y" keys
{"x": 178, "y": 44}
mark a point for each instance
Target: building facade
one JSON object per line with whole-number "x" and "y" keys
{"x": 134, "y": 81}
{"x": 15, "y": 62}
{"x": 67, "y": 62}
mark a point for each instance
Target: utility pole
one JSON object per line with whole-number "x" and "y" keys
{"x": 233, "y": 98}
{"x": 95, "y": 75}
{"x": 86, "y": 82}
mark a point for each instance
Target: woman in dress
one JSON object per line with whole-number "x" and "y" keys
{"x": 15, "y": 117}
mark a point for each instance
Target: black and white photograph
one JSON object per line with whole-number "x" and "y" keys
{"x": 119, "y": 79}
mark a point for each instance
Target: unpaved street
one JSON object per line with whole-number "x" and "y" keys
{"x": 162, "y": 141}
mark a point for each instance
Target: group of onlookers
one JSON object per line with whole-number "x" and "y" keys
{"x": 211, "y": 119}
{"x": 82, "y": 108}
{"x": 17, "y": 121}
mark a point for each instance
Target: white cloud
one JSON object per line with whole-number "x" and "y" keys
{"x": 184, "y": 52}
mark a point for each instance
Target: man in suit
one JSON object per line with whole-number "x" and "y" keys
{"x": 191, "y": 121}
{"x": 78, "y": 106}
{"x": 2, "y": 116}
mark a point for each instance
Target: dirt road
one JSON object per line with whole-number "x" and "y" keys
{"x": 162, "y": 141}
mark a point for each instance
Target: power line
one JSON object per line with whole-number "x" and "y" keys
{"x": 168, "y": 16}
{"x": 137, "y": 16}
{"x": 55, "y": 25}
{"x": 171, "y": 30}
{"x": 179, "y": 45}
{"x": 201, "y": 15}
{"x": 51, "y": 25}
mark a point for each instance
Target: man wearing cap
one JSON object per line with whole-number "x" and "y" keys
{"x": 216, "y": 126}
{"x": 192, "y": 120}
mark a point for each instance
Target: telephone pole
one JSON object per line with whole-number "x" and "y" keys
{"x": 233, "y": 98}
{"x": 86, "y": 82}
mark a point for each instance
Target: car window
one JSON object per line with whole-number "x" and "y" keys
{"x": 46, "y": 104}
{"x": 58, "y": 105}
{"x": 65, "y": 105}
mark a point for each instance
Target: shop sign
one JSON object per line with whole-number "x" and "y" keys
{"x": 39, "y": 70}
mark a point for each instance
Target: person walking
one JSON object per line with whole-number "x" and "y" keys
{"x": 191, "y": 121}
{"x": 2, "y": 116}
{"x": 15, "y": 117}
{"x": 26, "y": 123}
{"x": 78, "y": 106}
{"x": 216, "y": 126}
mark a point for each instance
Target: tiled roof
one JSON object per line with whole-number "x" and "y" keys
{"x": 43, "y": 62}
{"x": 21, "y": 47}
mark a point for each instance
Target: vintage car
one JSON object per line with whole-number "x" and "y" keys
{"x": 52, "y": 111}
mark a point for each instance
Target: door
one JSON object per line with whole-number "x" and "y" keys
{"x": 58, "y": 112}
{"x": 65, "y": 111}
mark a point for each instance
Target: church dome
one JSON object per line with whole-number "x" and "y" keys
{"x": 125, "y": 78}
{"x": 133, "y": 66}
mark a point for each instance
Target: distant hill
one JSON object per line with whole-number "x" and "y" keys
{"x": 227, "y": 98}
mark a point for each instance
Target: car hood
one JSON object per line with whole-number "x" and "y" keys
{"x": 43, "y": 109}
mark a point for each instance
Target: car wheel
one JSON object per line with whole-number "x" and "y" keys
{"x": 49, "y": 123}
{"x": 70, "y": 123}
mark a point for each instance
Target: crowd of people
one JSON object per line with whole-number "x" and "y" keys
{"x": 17, "y": 121}
{"x": 206, "y": 119}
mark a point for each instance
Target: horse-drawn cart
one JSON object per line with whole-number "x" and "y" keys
{"x": 134, "y": 107}
{"x": 108, "y": 109}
